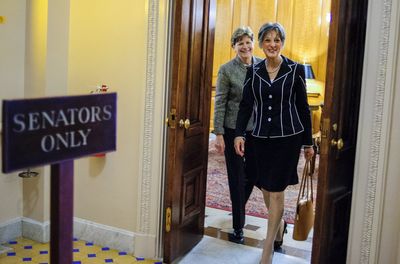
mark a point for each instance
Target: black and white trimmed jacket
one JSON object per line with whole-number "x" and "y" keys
{"x": 280, "y": 106}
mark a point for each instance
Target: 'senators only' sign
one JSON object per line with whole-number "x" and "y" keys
{"x": 49, "y": 130}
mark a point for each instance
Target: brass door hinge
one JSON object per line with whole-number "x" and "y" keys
{"x": 168, "y": 219}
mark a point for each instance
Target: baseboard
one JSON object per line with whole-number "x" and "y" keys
{"x": 24, "y": 227}
{"x": 141, "y": 245}
{"x": 145, "y": 246}
{"x": 103, "y": 235}
{"x": 35, "y": 230}
{"x": 10, "y": 230}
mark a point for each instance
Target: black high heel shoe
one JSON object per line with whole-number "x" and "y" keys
{"x": 278, "y": 244}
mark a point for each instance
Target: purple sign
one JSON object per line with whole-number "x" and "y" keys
{"x": 50, "y": 130}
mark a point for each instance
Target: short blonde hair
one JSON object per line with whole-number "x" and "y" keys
{"x": 239, "y": 33}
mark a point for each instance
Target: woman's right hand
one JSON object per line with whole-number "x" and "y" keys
{"x": 220, "y": 144}
{"x": 239, "y": 146}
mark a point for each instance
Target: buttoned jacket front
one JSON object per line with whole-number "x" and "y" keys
{"x": 280, "y": 106}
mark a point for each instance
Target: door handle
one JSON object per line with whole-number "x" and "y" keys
{"x": 337, "y": 143}
{"x": 185, "y": 124}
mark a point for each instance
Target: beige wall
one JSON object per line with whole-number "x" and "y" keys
{"x": 45, "y": 75}
{"x": 36, "y": 190}
{"x": 12, "y": 46}
{"x": 103, "y": 42}
{"x": 108, "y": 46}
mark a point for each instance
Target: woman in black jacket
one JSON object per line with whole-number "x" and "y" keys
{"x": 275, "y": 90}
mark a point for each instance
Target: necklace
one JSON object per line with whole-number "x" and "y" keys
{"x": 273, "y": 69}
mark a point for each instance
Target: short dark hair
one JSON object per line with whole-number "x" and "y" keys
{"x": 238, "y": 34}
{"x": 268, "y": 27}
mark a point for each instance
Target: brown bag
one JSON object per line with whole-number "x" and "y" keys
{"x": 305, "y": 210}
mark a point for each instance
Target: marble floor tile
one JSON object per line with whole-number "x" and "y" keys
{"x": 216, "y": 251}
{"x": 219, "y": 222}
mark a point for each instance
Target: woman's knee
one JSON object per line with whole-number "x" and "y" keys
{"x": 277, "y": 197}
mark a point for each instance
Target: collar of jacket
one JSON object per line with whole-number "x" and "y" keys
{"x": 287, "y": 66}
{"x": 241, "y": 64}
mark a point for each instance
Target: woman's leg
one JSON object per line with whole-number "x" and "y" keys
{"x": 250, "y": 166}
{"x": 279, "y": 233}
{"x": 275, "y": 202}
{"x": 236, "y": 181}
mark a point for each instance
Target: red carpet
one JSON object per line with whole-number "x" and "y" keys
{"x": 218, "y": 191}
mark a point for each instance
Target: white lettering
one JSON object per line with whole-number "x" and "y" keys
{"x": 34, "y": 123}
{"x": 61, "y": 118}
{"x": 84, "y": 115}
{"x": 48, "y": 118}
{"x": 73, "y": 143}
{"x": 47, "y": 143}
{"x": 96, "y": 114}
{"x": 19, "y": 121}
{"x": 107, "y": 112}
{"x": 72, "y": 112}
{"x": 71, "y": 139}
{"x": 84, "y": 136}
{"x": 63, "y": 140}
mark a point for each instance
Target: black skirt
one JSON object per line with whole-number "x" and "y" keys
{"x": 277, "y": 160}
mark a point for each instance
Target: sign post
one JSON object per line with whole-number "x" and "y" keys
{"x": 56, "y": 131}
{"x": 61, "y": 212}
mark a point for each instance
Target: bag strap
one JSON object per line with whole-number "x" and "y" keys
{"x": 309, "y": 176}
{"x": 306, "y": 183}
{"x": 303, "y": 182}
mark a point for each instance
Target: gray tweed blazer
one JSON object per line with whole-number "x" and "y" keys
{"x": 231, "y": 76}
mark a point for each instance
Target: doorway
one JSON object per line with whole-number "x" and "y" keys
{"x": 307, "y": 44}
{"x": 193, "y": 30}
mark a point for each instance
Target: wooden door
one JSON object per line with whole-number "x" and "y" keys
{"x": 339, "y": 130}
{"x": 189, "y": 119}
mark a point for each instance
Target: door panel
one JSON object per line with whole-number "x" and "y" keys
{"x": 339, "y": 125}
{"x": 187, "y": 143}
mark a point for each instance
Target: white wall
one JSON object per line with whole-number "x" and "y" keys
{"x": 12, "y": 54}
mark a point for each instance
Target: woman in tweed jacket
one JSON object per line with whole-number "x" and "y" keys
{"x": 229, "y": 88}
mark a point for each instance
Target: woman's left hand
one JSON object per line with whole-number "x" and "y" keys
{"x": 308, "y": 153}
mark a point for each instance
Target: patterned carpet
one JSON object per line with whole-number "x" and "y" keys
{"x": 218, "y": 191}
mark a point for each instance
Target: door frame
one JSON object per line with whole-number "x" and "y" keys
{"x": 370, "y": 171}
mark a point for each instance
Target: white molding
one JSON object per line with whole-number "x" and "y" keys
{"x": 145, "y": 245}
{"x": 85, "y": 230}
{"x": 104, "y": 235}
{"x": 147, "y": 157}
{"x": 151, "y": 171}
{"x": 25, "y": 227}
{"x": 36, "y": 230}
{"x": 10, "y": 230}
{"x": 373, "y": 133}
